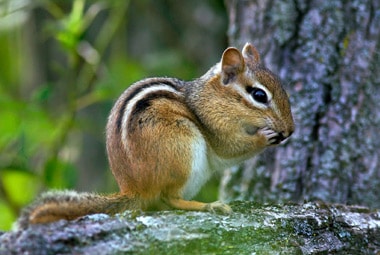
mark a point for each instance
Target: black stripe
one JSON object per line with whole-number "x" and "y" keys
{"x": 174, "y": 83}
{"x": 144, "y": 104}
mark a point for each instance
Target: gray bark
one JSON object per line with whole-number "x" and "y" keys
{"x": 327, "y": 53}
{"x": 311, "y": 228}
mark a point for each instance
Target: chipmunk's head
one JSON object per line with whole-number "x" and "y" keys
{"x": 265, "y": 104}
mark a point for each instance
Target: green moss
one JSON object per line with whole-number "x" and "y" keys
{"x": 251, "y": 229}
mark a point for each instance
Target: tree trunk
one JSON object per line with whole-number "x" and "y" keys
{"x": 327, "y": 53}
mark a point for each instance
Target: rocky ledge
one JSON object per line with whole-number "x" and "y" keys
{"x": 309, "y": 228}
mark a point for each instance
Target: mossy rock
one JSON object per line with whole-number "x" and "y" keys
{"x": 310, "y": 228}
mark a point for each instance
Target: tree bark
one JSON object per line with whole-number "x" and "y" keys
{"x": 327, "y": 53}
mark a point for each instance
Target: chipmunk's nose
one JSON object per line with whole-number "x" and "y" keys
{"x": 280, "y": 136}
{"x": 284, "y": 134}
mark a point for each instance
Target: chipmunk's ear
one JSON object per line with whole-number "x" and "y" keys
{"x": 251, "y": 55}
{"x": 232, "y": 64}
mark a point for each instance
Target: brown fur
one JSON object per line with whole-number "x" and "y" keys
{"x": 157, "y": 126}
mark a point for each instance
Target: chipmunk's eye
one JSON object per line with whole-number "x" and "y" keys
{"x": 259, "y": 95}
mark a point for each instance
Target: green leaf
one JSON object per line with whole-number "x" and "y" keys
{"x": 7, "y": 217}
{"x": 72, "y": 27}
{"x": 20, "y": 186}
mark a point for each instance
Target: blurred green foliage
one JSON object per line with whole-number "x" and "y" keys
{"x": 63, "y": 63}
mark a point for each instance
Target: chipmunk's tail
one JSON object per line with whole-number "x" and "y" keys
{"x": 69, "y": 205}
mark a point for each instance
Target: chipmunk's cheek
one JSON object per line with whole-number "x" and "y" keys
{"x": 250, "y": 129}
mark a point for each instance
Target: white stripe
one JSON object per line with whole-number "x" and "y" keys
{"x": 249, "y": 98}
{"x": 130, "y": 105}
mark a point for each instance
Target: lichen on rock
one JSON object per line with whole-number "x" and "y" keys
{"x": 308, "y": 228}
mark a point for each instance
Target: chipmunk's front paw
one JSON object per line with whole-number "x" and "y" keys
{"x": 271, "y": 136}
{"x": 218, "y": 207}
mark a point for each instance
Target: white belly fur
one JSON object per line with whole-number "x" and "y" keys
{"x": 204, "y": 163}
{"x": 200, "y": 171}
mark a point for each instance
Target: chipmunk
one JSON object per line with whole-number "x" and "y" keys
{"x": 165, "y": 138}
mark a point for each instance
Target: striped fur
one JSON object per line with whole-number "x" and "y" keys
{"x": 219, "y": 125}
{"x": 165, "y": 137}
{"x": 138, "y": 88}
